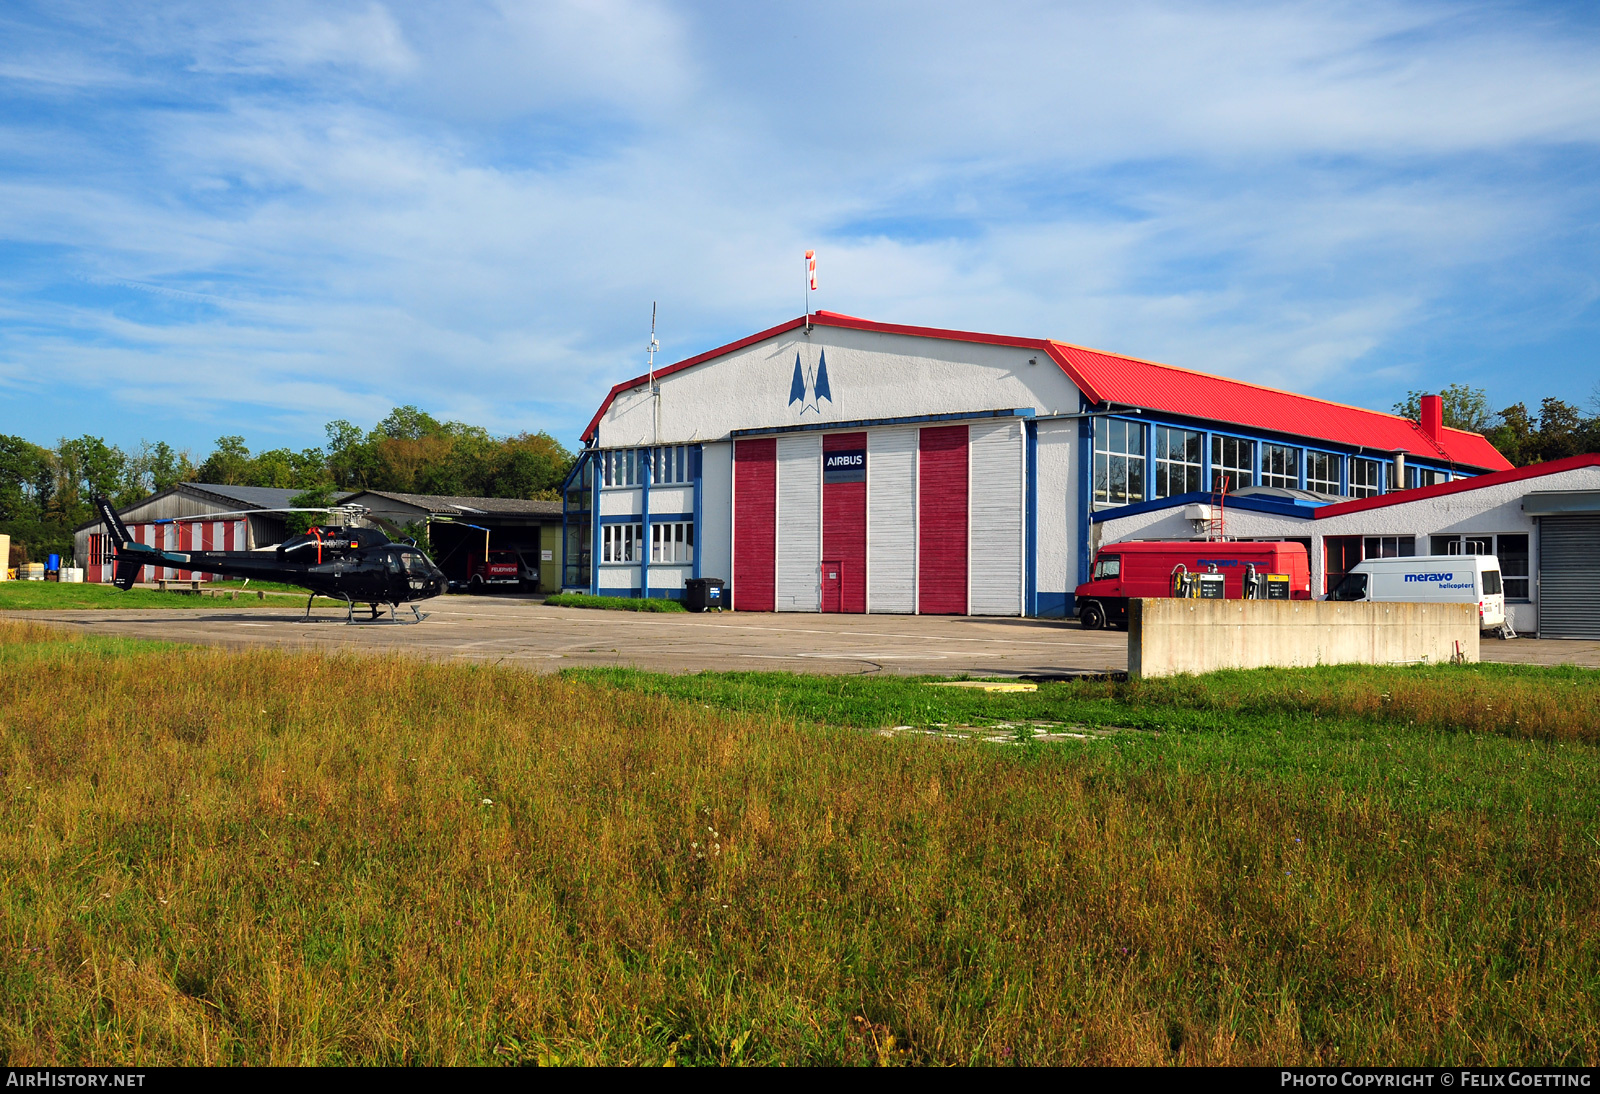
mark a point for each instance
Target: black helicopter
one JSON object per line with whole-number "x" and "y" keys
{"x": 356, "y": 565}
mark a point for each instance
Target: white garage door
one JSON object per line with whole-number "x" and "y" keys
{"x": 997, "y": 505}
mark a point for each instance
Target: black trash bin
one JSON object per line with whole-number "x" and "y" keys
{"x": 704, "y": 594}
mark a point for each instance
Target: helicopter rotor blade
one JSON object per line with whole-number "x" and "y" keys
{"x": 348, "y": 510}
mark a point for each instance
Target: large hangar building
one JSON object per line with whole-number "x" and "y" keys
{"x": 838, "y": 464}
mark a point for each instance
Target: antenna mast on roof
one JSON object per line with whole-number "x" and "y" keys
{"x": 655, "y": 391}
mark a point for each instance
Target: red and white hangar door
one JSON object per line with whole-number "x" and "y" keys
{"x": 902, "y": 518}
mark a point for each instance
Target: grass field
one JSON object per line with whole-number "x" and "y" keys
{"x": 613, "y": 603}
{"x": 265, "y": 857}
{"x": 83, "y": 596}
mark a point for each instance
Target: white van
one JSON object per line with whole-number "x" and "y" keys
{"x": 1431, "y": 579}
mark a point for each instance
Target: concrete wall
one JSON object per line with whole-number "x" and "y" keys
{"x": 1167, "y": 637}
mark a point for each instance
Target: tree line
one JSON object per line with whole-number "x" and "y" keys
{"x": 45, "y": 493}
{"x": 1523, "y": 437}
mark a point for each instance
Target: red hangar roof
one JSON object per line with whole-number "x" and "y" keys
{"x": 1112, "y": 378}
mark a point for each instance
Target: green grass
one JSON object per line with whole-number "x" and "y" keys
{"x": 76, "y": 596}
{"x": 613, "y": 603}
{"x": 269, "y": 586}
{"x": 267, "y": 857}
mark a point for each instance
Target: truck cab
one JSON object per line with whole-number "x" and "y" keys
{"x": 1154, "y": 569}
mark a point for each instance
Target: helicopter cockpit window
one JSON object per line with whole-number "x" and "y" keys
{"x": 394, "y": 562}
{"x": 415, "y": 563}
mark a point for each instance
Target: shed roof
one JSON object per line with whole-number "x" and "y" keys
{"x": 449, "y": 505}
{"x": 217, "y": 497}
{"x": 1119, "y": 380}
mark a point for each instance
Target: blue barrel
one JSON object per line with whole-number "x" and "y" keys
{"x": 54, "y": 563}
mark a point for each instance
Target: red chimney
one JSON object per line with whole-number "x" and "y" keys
{"x": 1433, "y": 415}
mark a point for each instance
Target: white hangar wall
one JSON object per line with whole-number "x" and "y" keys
{"x": 872, "y": 377}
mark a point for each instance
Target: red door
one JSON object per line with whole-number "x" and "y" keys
{"x": 844, "y": 516}
{"x": 755, "y": 508}
{"x": 832, "y": 582}
{"x": 942, "y": 527}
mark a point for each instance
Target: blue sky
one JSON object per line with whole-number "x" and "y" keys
{"x": 254, "y": 218}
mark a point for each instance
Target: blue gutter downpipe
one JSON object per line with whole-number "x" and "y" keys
{"x": 1030, "y": 563}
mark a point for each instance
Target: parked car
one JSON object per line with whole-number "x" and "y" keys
{"x": 528, "y": 568}
{"x": 1138, "y": 568}
{"x": 1431, "y": 579}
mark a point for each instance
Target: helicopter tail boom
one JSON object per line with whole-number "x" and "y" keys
{"x": 128, "y": 564}
{"x": 114, "y": 526}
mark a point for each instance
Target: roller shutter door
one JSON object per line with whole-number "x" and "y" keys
{"x": 755, "y": 482}
{"x": 799, "y": 523}
{"x": 942, "y": 525}
{"x": 997, "y": 512}
{"x": 1569, "y": 577}
{"x": 892, "y": 520}
{"x": 844, "y": 522}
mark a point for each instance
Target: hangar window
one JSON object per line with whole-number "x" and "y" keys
{"x": 621, "y": 542}
{"x": 1389, "y": 547}
{"x": 670, "y": 464}
{"x": 1232, "y": 463}
{"x": 1364, "y": 478}
{"x": 672, "y": 542}
{"x": 1322, "y": 472}
{"x": 1426, "y": 476}
{"x": 1178, "y": 467}
{"x": 619, "y": 467}
{"x": 1119, "y": 462}
{"x": 1461, "y": 545}
{"x": 1280, "y": 466}
{"x": 1513, "y": 553}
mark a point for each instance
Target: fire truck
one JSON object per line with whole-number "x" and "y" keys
{"x": 498, "y": 568}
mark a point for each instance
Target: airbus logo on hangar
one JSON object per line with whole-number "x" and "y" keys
{"x": 810, "y": 385}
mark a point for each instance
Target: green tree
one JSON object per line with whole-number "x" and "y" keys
{"x": 229, "y": 464}
{"x": 1464, "y": 407}
{"x": 531, "y": 465}
{"x": 27, "y": 479}
{"x": 153, "y": 468}
{"x": 352, "y": 458}
{"x": 317, "y": 497}
{"x": 83, "y": 468}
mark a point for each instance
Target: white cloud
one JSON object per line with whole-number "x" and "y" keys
{"x": 334, "y": 208}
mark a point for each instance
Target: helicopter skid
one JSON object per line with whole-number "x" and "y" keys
{"x": 350, "y": 619}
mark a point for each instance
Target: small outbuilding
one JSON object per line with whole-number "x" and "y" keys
{"x": 148, "y": 522}
{"x": 1542, "y": 521}
{"x": 456, "y": 529}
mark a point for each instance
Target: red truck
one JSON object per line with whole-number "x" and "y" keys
{"x": 1143, "y": 569}
{"x": 500, "y": 568}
